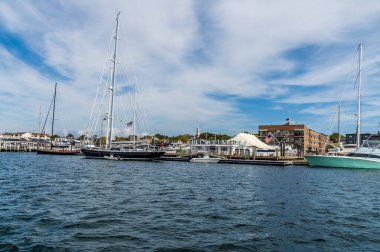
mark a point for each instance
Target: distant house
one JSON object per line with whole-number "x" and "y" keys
{"x": 216, "y": 147}
{"x": 23, "y": 140}
{"x": 24, "y": 136}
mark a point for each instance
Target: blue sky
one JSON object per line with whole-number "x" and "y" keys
{"x": 226, "y": 66}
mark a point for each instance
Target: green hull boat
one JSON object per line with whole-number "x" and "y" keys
{"x": 343, "y": 162}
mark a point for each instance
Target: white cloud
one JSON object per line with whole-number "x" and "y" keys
{"x": 242, "y": 42}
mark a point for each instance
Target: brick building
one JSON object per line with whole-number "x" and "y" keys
{"x": 298, "y": 136}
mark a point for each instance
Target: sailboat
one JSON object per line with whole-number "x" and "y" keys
{"x": 52, "y": 150}
{"x": 111, "y": 152}
{"x": 366, "y": 156}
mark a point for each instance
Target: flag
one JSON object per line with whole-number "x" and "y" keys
{"x": 129, "y": 124}
{"x": 268, "y": 138}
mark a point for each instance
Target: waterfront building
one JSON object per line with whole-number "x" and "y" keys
{"x": 249, "y": 145}
{"x": 298, "y": 137}
{"x": 243, "y": 144}
{"x": 21, "y": 141}
{"x": 213, "y": 147}
{"x": 24, "y": 136}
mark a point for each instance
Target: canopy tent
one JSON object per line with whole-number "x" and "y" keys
{"x": 250, "y": 140}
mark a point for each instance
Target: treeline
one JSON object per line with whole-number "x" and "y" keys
{"x": 186, "y": 137}
{"x": 161, "y": 138}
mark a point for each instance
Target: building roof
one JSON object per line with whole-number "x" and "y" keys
{"x": 250, "y": 140}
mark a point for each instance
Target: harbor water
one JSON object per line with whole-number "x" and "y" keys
{"x": 62, "y": 203}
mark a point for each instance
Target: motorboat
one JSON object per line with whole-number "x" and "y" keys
{"x": 205, "y": 159}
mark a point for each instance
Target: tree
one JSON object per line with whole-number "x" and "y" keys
{"x": 213, "y": 136}
{"x": 120, "y": 138}
{"x": 70, "y": 135}
{"x": 160, "y": 137}
{"x": 335, "y": 136}
{"x": 54, "y": 137}
{"x": 82, "y": 137}
{"x": 182, "y": 138}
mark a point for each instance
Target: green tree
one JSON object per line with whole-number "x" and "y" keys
{"x": 182, "y": 138}
{"x": 159, "y": 137}
{"x": 335, "y": 136}
{"x": 212, "y": 136}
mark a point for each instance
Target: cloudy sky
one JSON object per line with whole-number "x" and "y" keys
{"x": 227, "y": 66}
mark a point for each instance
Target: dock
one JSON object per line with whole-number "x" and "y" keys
{"x": 271, "y": 161}
{"x": 256, "y": 162}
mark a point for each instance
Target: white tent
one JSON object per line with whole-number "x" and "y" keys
{"x": 250, "y": 140}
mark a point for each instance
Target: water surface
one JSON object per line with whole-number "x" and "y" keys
{"x": 75, "y": 204}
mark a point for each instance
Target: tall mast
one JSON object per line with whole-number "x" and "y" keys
{"x": 339, "y": 126}
{"x": 52, "y": 121}
{"x": 111, "y": 88}
{"x": 39, "y": 124}
{"x": 107, "y": 115}
{"x": 360, "y": 48}
{"x": 134, "y": 113}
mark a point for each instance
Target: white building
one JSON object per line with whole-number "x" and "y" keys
{"x": 23, "y": 136}
{"x": 21, "y": 141}
{"x": 241, "y": 144}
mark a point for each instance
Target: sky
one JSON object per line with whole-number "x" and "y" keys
{"x": 225, "y": 66}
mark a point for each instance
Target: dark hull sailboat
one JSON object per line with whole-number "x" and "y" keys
{"x": 58, "y": 152}
{"x": 51, "y": 150}
{"x": 112, "y": 152}
{"x": 121, "y": 154}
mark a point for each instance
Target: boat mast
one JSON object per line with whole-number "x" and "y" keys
{"x": 106, "y": 116}
{"x": 39, "y": 125}
{"x": 111, "y": 88}
{"x": 339, "y": 126}
{"x": 52, "y": 121}
{"x": 358, "y": 140}
{"x": 134, "y": 113}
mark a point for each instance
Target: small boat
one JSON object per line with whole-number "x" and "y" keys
{"x": 111, "y": 157}
{"x": 205, "y": 159}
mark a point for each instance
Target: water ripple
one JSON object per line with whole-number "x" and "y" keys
{"x": 52, "y": 203}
